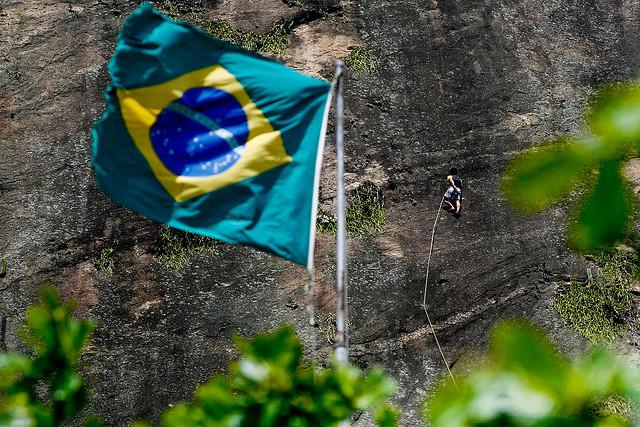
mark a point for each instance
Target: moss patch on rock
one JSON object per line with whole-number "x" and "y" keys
{"x": 104, "y": 262}
{"x": 600, "y": 310}
{"x": 292, "y": 3}
{"x": 274, "y": 41}
{"x": 173, "y": 248}
{"x": 325, "y": 222}
{"x": 365, "y": 214}
{"x": 362, "y": 59}
{"x": 616, "y": 406}
{"x": 328, "y": 325}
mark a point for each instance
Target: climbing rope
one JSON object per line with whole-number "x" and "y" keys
{"x": 424, "y": 300}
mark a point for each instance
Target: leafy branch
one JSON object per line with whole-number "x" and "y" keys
{"x": 525, "y": 381}
{"x": 57, "y": 340}
{"x": 269, "y": 386}
{"x": 539, "y": 177}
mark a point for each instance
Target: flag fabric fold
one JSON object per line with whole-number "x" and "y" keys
{"x": 210, "y": 138}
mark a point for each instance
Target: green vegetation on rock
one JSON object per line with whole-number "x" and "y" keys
{"x": 274, "y": 41}
{"x": 223, "y": 30}
{"x": 325, "y": 222}
{"x": 292, "y": 3}
{"x": 104, "y": 262}
{"x": 616, "y": 406}
{"x": 362, "y": 59}
{"x": 187, "y": 10}
{"x": 327, "y": 326}
{"x": 365, "y": 213}
{"x": 600, "y": 310}
{"x": 526, "y": 381}
{"x": 174, "y": 248}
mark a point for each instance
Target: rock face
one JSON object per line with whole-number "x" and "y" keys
{"x": 464, "y": 83}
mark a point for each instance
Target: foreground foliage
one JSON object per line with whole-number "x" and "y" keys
{"x": 525, "y": 381}
{"x": 268, "y": 386}
{"x": 45, "y": 390}
{"x": 591, "y": 164}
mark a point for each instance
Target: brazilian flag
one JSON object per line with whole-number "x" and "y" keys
{"x": 210, "y": 138}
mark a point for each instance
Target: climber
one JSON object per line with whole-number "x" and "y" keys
{"x": 454, "y": 192}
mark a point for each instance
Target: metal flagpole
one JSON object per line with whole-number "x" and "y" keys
{"x": 341, "y": 346}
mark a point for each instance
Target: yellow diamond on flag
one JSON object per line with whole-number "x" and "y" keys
{"x": 201, "y": 132}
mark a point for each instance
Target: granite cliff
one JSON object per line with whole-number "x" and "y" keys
{"x": 456, "y": 82}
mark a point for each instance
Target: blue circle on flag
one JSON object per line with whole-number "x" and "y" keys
{"x": 201, "y": 134}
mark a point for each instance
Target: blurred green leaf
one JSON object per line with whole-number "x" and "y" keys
{"x": 280, "y": 347}
{"x": 253, "y": 370}
{"x": 604, "y": 215}
{"x": 604, "y": 374}
{"x": 57, "y": 339}
{"x": 509, "y": 390}
{"x": 66, "y": 384}
{"x": 346, "y": 378}
{"x": 387, "y": 416}
{"x": 377, "y": 386}
{"x": 602, "y": 218}
{"x": 614, "y": 114}
{"x": 508, "y": 394}
{"x": 271, "y": 410}
{"x": 75, "y": 338}
{"x": 183, "y": 415}
{"x": 13, "y": 367}
{"x": 18, "y": 412}
{"x": 525, "y": 350}
{"x": 217, "y": 396}
{"x": 268, "y": 387}
{"x": 92, "y": 421}
{"x": 37, "y": 333}
{"x": 536, "y": 178}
